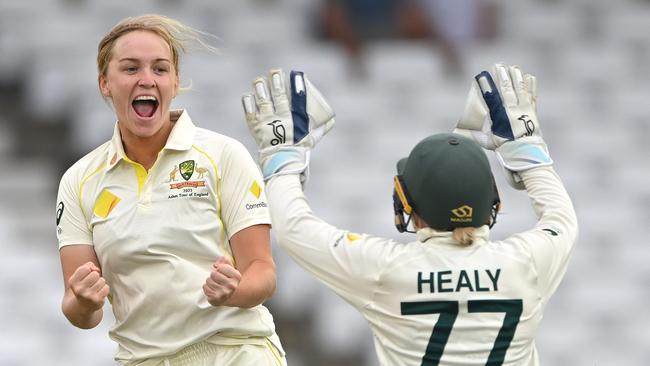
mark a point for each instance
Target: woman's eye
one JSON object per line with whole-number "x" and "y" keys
{"x": 160, "y": 70}
{"x": 131, "y": 69}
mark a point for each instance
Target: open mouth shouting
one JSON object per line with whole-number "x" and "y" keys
{"x": 145, "y": 105}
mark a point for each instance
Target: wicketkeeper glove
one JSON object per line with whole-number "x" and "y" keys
{"x": 502, "y": 116}
{"x": 286, "y": 126}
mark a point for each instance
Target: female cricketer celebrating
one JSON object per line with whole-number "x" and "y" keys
{"x": 166, "y": 220}
{"x": 452, "y": 296}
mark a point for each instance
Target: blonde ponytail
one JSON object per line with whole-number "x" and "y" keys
{"x": 464, "y": 235}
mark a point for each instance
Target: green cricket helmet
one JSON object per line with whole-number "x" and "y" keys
{"x": 447, "y": 181}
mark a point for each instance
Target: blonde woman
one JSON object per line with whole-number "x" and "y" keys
{"x": 168, "y": 221}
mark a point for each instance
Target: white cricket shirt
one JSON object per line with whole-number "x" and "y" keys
{"x": 157, "y": 234}
{"x": 434, "y": 301}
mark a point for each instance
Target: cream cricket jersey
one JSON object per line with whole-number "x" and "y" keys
{"x": 433, "y": 301}
{"x": 157, "y": 234}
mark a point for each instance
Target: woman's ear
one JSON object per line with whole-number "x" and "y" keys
{"x": 418, "y": 222}
{"x": 103, "y": 86}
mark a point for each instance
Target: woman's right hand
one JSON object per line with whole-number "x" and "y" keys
{"x": 88, "y": 286}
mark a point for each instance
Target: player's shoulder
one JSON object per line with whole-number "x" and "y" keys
{"x": 217, "y": 144}
{"x": 205, "y": 137}
{"x": 388, "y": 249}
{"x": 514, "y": 248}
{"x": 88, "y": 164}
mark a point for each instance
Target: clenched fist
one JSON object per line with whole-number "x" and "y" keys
{"x": 88, "y": 286}
{"x": 222, "y": 282}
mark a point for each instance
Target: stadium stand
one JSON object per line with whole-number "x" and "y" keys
{"x": 592, "y": 59}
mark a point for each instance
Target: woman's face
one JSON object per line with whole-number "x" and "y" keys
{"x": 141, "y": 81}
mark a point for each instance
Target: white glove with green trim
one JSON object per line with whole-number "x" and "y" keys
{"x": 502, "y": 116}
{"x": 286, "y": 126}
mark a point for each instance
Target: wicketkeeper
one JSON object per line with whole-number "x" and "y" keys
{"x": 452, "y": 296}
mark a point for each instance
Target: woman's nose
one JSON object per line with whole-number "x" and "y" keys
{"x": 147, "y": 79}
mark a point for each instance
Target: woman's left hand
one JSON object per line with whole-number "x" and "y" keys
{"x": 222, "y": 282}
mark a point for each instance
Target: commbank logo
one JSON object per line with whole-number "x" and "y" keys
{"x": 462, "y": 214}
{"x": 105, "y": 203}
{"x": 255, "y": 189}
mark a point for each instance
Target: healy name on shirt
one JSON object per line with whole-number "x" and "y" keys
{"x": 435, "y": 301}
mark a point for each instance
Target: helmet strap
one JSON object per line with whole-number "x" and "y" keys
{"x": 401, "y": 206}
{"x": 496, "y": 204}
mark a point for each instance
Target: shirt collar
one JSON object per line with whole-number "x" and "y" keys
{"x": 182, "y": 135}
{"x": 180, "y": 138}
{"x": 445, "y": 237}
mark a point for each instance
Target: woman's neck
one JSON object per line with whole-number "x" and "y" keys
{"x": 144, "y": 150}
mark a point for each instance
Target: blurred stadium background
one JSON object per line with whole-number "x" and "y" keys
{"x": 592, "y": 60}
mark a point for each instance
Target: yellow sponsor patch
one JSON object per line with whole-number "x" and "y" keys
{"x": 255, "y": 189}
{"x": 352, "y": 236}
{"x": 105, "y": 203}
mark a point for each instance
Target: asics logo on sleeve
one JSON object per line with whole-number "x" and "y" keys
{"x": 59, "y": 212}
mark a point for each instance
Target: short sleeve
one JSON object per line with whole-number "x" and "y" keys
{"x": 71, "y": 224}
{"x": 242, "y": 195}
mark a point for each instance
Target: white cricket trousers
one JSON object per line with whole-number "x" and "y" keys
{"x": 208, "y": 354}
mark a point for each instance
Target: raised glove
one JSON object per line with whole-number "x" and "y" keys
{"x": 286, "y": 126}
{"x": 502, "y": 116}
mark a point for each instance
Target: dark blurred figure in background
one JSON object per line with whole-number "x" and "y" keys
{"x": 450, "y": 25}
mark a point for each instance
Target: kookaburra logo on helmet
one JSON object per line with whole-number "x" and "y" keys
{"x": 462, "y": 214}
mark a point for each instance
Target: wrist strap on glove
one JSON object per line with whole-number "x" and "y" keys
{"x": 523, "y": 154}
{"x": 285, "y": 160}
{"x": 519, "y": 155}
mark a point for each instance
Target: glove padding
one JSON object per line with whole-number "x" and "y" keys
{"x": 502, "y": 116}
{"x": 286, "y": 126}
